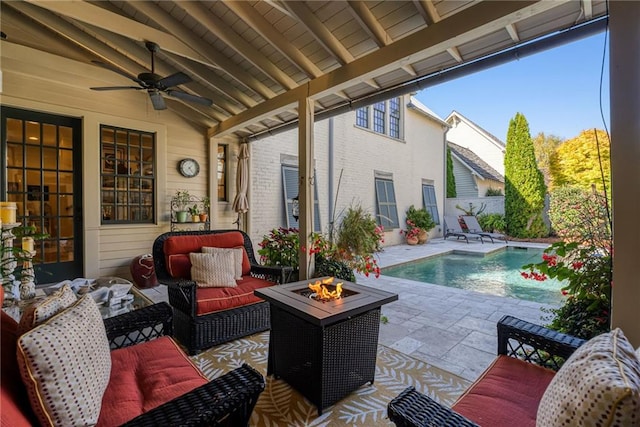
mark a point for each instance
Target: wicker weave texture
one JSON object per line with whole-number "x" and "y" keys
{"x": 411, "y": 408}
{"x": 197, "y": 333}
{"x": 324, "y": 364}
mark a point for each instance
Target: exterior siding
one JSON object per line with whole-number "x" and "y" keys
{"x": 358, "y": 154}
{"x": 465, "y": 181}
{"x": 463, "y": 134}
{"x": 27, "y": 84}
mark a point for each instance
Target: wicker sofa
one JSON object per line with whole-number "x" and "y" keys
{"x": 237, "y": 312}
{"x": 151, "y": 381}
{"x": 508, "y": 393}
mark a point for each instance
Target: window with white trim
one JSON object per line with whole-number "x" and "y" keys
{"x": 291, "y": 189}
{"x": 430, "y": 202}
{"x": 384, "y": 117}
{"x": 386, "y": 208}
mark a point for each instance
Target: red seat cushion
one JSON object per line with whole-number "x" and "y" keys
{"x": 210, "y": 300}
{"x": 507, "y": 394}
{"x": 177, "y": 248}
{"x": 145, "y": 376}
{"x": 15, "y": 409}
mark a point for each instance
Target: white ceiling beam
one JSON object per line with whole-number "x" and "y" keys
{"x": 467, "y": 25}
{"x": 428, "y": 11}
{"x": 278, "y": 6}
{"x": 455, "y": 53}
{"x": 587, "y": 9}
{"x": 102, "y": 18}
{"x": 186, "y": 111}
{"x": 221, "y": 30}
{"x": 513, "y": 32}
{"x": 409, "y": 69}
{"x": 372, "y": 83}
{"x": 258, "y": 23}
{"x": 319, "y": 31}
{"x": 369, "y": 22}
{"x": 211, "y": 53}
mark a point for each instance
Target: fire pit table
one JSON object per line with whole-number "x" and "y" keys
{"x": 324, "y": 349}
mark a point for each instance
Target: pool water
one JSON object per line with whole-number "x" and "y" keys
{"x": 495, "y": 274}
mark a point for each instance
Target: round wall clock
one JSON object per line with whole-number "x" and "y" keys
{"x": 189, "y": 168}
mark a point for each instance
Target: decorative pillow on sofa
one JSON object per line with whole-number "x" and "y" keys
{"x": 599, "y": 385}
{"x": 65, "y": 364}
{"x": 44, "y": 309}
{"x": 237, "y": 256}
{"x": 216, "y": 270}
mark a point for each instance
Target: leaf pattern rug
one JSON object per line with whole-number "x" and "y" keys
{"x": 281, "y": 405}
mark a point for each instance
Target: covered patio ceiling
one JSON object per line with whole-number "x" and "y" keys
{"x": 257, "y": 59}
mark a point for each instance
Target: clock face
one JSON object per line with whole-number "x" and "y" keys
{"x": 189, "y": 168}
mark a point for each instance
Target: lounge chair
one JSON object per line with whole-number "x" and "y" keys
{"x": 474, "y": 227}
{"x": 452, "y": 228}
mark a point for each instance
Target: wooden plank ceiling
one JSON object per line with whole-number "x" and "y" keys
{"x": 256, "y": 59}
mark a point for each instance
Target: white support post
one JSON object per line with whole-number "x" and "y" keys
{"x": 306, "y": 182}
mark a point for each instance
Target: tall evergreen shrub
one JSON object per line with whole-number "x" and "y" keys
{"x": 524, "y": 183}
{"x": 451, "y": 179}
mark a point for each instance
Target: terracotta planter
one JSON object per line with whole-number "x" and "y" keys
{"x": 204, "y": 217}
{"x": 422, "y": 237}
{"x": 412, "y": 240}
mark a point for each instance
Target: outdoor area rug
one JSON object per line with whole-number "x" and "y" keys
{"x": 281, "y": 405}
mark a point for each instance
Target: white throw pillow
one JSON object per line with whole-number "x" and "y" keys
{"x": 599, "y": 385}
{"x": 42, "y": 310}
{"x": 65, "y": 364}
{"x": 214, "y": 270}
{"x": 237, "y": 257}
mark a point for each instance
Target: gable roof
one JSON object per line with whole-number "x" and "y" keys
{"x": 474, "y": 163}
{"x": 418, "y": 106}
{"x": 492, "y": 138}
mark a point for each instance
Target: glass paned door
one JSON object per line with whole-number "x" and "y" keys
{"x": 40, "y": 156}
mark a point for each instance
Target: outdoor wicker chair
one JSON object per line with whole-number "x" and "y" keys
{"x": 474, "y": 227}
{"x": 517, "y": 339}
{"x": 452, "y": 228}
{"x": 200, "y": 331}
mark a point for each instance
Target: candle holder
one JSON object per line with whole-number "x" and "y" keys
{"x": 27, "y": 277}
{"x": 8, "y": 264}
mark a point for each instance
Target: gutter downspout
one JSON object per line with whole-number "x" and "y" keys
{"x": 331, "y": 167}
{"x": 444, "y": 187}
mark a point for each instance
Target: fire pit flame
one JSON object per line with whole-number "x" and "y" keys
{"x": 323, "y": 293}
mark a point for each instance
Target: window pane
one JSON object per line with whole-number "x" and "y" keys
{"x": 291, "y": 189}
{"x": 378, "y": 117}
{"x": 222, "y": 173}
{"x": 362, "y": 117}
{"x": 122, "y": 167}
{"x": 394, "y": 117}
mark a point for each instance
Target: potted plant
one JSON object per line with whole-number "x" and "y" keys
{"x": 180, "y": 203}
{"x": 421, "y": 219}
{"x": 411, "y": 233}
{"x": 206, "y": 204}
{"x": 194, "y": 211}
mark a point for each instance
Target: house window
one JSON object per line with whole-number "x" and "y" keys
{"x": 222, "y": 173}
{"x": 430, "y": 203}
{"x": 394, "y": 117}
{"x": 362, "y": 117}
{"x": 386, "y": 117}
{"x": 127, "y": 175}
{"x": 386, "y": 209}
{"x": 291, "y": 189}
{"x": 379, "y": 117}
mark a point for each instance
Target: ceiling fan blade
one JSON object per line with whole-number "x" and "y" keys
{"x": 188, "y": 97}
{"x": 115, "y": 88}
{"x": 174, "y": 80}
{"x": 157, "y": 100}
{"x": 119, "y": 71}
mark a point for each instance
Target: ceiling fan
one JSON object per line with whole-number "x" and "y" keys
{"x": 154, "y": 84}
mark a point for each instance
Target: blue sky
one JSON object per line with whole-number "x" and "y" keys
{"x": 557, "y": 90}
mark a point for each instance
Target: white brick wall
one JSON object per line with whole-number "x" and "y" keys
{"x": 358, "y": 153}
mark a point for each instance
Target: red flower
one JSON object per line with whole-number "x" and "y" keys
{"x": 565, "y": 292}
{"x": 577, "y": 265}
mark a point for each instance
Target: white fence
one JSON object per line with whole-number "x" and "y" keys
{"x": 494, "y": 204}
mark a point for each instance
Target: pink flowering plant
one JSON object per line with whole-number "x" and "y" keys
{"x": 584, "y": 262}
{"x": 412, "y": 231}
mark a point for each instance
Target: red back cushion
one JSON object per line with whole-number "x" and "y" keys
{"x": 177, "y": 249}
{"x": 14, "y": 402}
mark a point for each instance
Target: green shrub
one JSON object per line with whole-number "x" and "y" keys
{"x": 492, "y": 222}
{"x": 580, "y": 216}
{"x": 420, "y": 218}
{"x": 493, "y": 192}
{"x": 451, "y": 179}
{"x": 334, "y": 268}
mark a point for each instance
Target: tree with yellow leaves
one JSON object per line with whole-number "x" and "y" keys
{"x": 576, "y": 161}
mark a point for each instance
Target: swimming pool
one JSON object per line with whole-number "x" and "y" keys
{"x": 495, "y": 274}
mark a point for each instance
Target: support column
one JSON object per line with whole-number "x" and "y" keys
{"x": 306, "y": 182}
{"x": 624, "y": 84}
